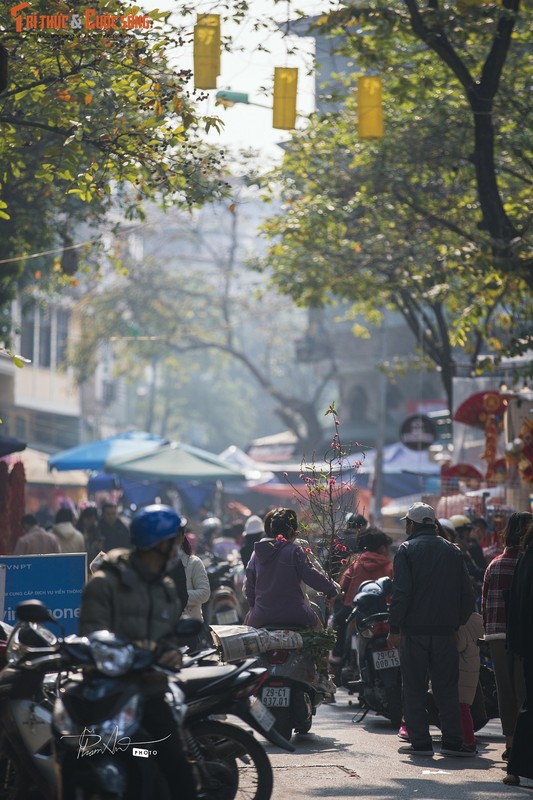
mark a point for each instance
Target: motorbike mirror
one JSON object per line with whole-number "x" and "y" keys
{"x": 188, "y": 627}
{"x": 33, "y": 611}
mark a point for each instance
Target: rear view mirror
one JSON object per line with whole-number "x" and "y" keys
{"x": 33, "y": 611}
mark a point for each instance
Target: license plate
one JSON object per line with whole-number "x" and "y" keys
{"x": 276, "y": 696}
{"x": 384, "y": 659}
{"x": 227, "y": 617}
{"x": 261, "y": 714}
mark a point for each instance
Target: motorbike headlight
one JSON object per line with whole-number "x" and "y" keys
{"x": 112, "y": 660}
{"x": 88, "y": 736}
{"x": 122, "y": 723}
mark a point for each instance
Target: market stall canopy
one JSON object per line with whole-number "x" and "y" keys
{"x": 93, "y": 455}
{"x": 397, "y": 458}
{"x": 10, "y": 445}
{"x": 37, "y": 472}
{"x": 255, "y": 471}
{"x": 175, "y": 462}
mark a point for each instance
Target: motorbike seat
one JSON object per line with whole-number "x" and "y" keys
{"x": 194, "y": 679}
{"x": 284, "y": 627}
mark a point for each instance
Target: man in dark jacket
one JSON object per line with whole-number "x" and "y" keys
{"x": 111, "y": 529}
{"x": 432, "y": 597}
{"x": 131, "y": 595}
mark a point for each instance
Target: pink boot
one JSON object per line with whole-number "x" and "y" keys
{"x": 403, "y": 734}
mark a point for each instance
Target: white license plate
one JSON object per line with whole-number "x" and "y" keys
{"x": 384, "y": 659}
{"x": 260, "y": 713}
{"x": 227, "y": 617}
{"x": 276, "y": 696}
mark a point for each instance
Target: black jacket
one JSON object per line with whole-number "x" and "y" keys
{"x": 432, "y": 593}
{"x": 520, "y": 609}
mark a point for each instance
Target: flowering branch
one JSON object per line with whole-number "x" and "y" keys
{"x": 328, "y": 493}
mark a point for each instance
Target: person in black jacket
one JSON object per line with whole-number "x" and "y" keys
{"x": 520, "y": 643}
{"x": 111, "y": 529}
{"x": 432, "y": 596}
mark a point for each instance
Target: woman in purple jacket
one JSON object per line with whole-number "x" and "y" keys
{"x": 275, "y": 574}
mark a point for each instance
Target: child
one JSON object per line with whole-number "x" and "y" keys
{"x": 467, "y": 637}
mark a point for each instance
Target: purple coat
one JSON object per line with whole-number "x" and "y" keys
{"x": 273, "y": 577}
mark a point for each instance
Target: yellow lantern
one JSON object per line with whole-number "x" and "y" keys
{"x": 369, "y": 107}
{"x": 206, "y": 51}
{"x": 285, "y": 89}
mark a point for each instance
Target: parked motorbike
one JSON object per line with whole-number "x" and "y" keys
{"x": 226, "y": 605}
{"x": 372, "y": 670}
{"x": 293, "y": 690}
{"x": 28, "y": 686}
{"x": 99, "y": 710}
{"x": 368, "y": 655}
{"x": 228, "y": 690}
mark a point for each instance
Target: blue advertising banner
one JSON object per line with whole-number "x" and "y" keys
{"x": 56, "y": 580}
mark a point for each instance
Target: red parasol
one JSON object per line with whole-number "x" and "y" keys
{"x": 462, "y": 472}
{"x": 479, "y": 407}
{"x": 485, "y": 410}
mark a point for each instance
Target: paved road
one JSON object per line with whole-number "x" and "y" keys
{"x": 344, "y": 758}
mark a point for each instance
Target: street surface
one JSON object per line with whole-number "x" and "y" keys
{"x": 341, "y": 758}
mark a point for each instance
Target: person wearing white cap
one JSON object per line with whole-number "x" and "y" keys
{"x": 432, "y": 596}
{"x": 254, "y": 530}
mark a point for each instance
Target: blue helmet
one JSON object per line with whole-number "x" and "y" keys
{"x": 154, "y": 524}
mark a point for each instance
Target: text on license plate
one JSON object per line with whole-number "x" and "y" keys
{"x": 276, "y": 695}
{"x": 384, "y": 659}
{"x": 261, "y": 714}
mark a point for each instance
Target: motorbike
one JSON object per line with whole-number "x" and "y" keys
{"x": 294, "y": 689}
{"x": 28, "y": 686}
{"x": 99, "y": 709}
{"x": 226, "y": 605}
{"x": 370, "y": 668}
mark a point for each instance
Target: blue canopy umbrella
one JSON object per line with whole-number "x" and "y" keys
{"x": 93, "y": 455}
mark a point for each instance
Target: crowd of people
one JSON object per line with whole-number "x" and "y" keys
{"x": 447, "y": 594}
{"x": 91, "y": 532}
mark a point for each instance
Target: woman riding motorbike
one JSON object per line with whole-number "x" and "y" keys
{"x": 274, "y": 577}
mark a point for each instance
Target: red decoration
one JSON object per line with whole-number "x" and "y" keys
{"x": 462, "y": 472}
{"x": 485, "y": 410}
{"x": 5, "y": 531}
{"x": 17, "y": 501}
{"x": 500, "y": 471}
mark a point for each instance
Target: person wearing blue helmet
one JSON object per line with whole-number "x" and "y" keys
{"x": 131, "y": 595}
